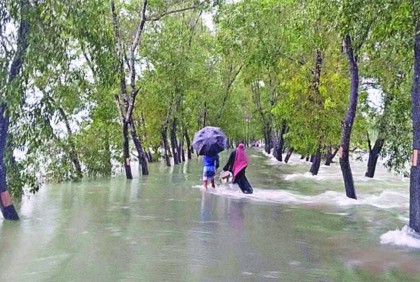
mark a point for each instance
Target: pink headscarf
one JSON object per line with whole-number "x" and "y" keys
{"x": 241, "y": 160}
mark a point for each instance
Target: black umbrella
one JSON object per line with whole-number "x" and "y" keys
{"x": 209, "y": 141}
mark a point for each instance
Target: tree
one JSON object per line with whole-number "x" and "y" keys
{"x": 415, "y": 112}
{"x": 13, "y": 86}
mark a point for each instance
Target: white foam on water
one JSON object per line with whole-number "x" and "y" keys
{"x": 272, "y": 161}
{"x": 388, "y": 199}
{"x": 266, "y": 154}
{"x": 293, "y": 176}
{"x": 308, "y": 175}
{"x": 406, "y": 237}
{"x": 333, "y": 171}
{"x": 383, "y": 200}
{"x": 404, "y": 218}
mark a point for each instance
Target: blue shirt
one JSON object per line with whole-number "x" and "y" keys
{"x": 211, "y": 163}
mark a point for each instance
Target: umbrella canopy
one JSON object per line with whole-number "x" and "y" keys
{"x": 209, "y": 141}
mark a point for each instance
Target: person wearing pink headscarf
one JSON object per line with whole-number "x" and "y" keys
{"x": 237, "y": 163}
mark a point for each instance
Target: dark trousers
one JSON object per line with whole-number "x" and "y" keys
{"x": 243, "y": 182}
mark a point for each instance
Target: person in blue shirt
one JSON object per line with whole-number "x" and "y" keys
{"x": 210, "y": 165}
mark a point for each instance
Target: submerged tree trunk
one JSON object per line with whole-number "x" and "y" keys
{"x": 316, "y": 162}
{"x": 126, "y": 152}
{"x": 267, "y": 138}
{"x": 288, "y": 155}
{"x": 281, "y": 142}
{"x": 7, "y": 208}
{"x": 373, "y": 157}
{"x": 181, "y": 151}
{"x": 165, "y": 146}
{"x": 140, "y": 152}
{"x": 148, "y": 153}
{"x": 108, "y": 156}
{"x": 330, "y": 155}
{"x": 174, "y": 143}
{"x": 349, "y": 119}
{"x": 189, "y": 147}
{"x": 125, "y": 101}
{"x": 73, "y": 151}
{"x": 415, "y": 113}
{"x": 276, "y": 150}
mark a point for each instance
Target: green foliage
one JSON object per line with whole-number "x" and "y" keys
{"x": 252, "y": 70}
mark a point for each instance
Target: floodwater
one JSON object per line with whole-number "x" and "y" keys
{"x": 165, "y": 227}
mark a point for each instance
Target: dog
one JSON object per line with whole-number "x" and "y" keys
{"x": 225, "y": 177}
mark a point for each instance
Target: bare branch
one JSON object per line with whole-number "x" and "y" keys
{"x": 123, "y": 86}
{"x": 88, "y": 60}
{"x": 22, "y": 45}
{"x": 192, "y": 29}
{"x": 116, "y": 27}
{"x": 134, "y": 45}
{"x": 157, "y": 18}
{"x": 120, "y": 108}
{"x": 364, "y": 35}
{"x": 139, "y": 29}
{"x": 228, "y": 87}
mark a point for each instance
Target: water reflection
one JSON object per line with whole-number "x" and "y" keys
{"x": 207, "y": 206}
{"x": 162, "y": 228}
{"x": 235, "y": 214}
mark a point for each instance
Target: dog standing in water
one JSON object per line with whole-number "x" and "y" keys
{"x": 225, "y": 177}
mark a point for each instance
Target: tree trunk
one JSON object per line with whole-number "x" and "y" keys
{"x": 108, "y": 156}
{"x": 316, "y": 162}
{"x": 140, "y": 152}
{"x": 126, "y": 152}
{"x": 181, "y": 151}
{"x": 288, "y": 155}
{"x": 276, "y": 151}
{"x": 415, "y": 113}
{"x": 373, "y": 157}
{"x": 165, "y": 146}
{"x": 281, "y": 143}
{"x": 149, "y": 156}
{"x": 302, "y": 157}
{"x": 7, "y": 208}
{"x": 349, "y": 119}
{"x": 267, "y": 138}
{"x": 205, "y": 114}
{"x": 189, "y": 147}
{"x": 312, "y": 158}
{"x": 73, "y": 151}
{"x": 307, "y": 158}
{"x": 330, "y": 155}
{"x": 125, "y": 103}
{"x": 174, "y": 143}
{"x": 147, "y": 151}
